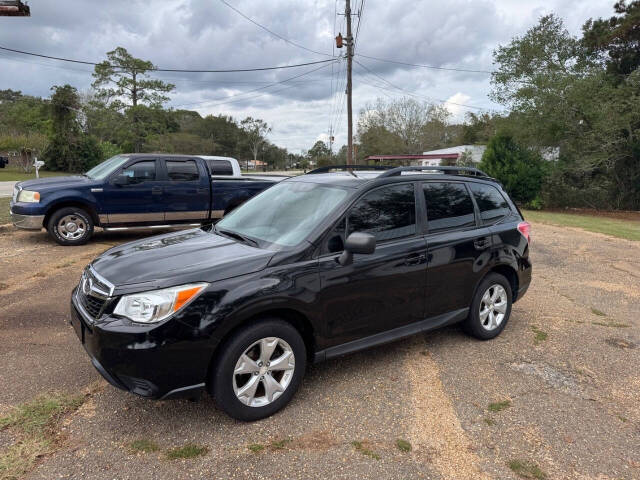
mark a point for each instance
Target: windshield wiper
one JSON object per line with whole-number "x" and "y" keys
{"x": 237, "y": 236}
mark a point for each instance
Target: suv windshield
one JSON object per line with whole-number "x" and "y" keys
{"x": 283, "y": 214}
{"x": 104, "y": 169}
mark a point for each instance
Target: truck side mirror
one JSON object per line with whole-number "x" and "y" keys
{"x": 357, "y": 242}
{"x": 121, "y": 180}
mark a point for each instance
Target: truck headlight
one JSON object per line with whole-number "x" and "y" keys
{"x": 156, "y": 305}
{"x": 28, "y": 196}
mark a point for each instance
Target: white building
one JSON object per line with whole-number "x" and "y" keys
{"x": 449, "y": 156}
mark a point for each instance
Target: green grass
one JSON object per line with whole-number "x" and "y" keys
{"x": 4, "y": 210}
{"x": 540, "y": 335}
{"x": 34, "y": 425}
{"x": 403, "y": 445}
{"x": 280, "y": 444}
{"x": 600, "y": 313}
{"x": 360, "y": 447}
{"x": 256, "y": 447}
{"x": 527, "y": 469}
{"x": 34, "y": 417}
{"x": 499, "y": 406}
{"x": 628, "y": 229}
{"x": 188, "y": 451}
{"x": 13, "y": 174}
{"x": 143, "y": 445}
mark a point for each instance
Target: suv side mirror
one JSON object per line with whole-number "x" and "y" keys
{"x": 357, "y": 242}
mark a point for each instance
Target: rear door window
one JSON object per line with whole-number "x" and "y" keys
{"x": 492, "y": 205}
{"x": 182, "y": 170}
{"x": 449, "y": 206}
{"x": 220, "y": 167}
{"x": 387, "y": 213}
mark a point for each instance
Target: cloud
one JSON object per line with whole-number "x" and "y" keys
{"x": 206, "y": 33}
{"x": 455, "y": 105}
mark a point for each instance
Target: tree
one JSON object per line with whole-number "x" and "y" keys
{"x": 255, "y": 131}
{"x": 402, "y": 126}
{"x": 520, "y": 170}
{"x": 69, "y": 148}
{"x": 465, "y": 159}
{"x": 320, "y": 153}
{"x": 478, "y": 128}
{"x": 617, "y": 39}
{"x": 563, "y": 96}
{"x": 122, "y": 82}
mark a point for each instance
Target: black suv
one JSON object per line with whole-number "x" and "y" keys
{"x": 316, "y": 266}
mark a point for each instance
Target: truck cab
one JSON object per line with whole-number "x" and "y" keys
{"x": 134, "y": 191}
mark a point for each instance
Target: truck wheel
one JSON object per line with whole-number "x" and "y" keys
{"x": 490, "y": 308}
{"x": 258, "y": 370}
{"x": 70, "y": 226}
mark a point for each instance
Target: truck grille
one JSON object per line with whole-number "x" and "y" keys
{"x": 92, "y": 294}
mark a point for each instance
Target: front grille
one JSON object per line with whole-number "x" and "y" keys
{"x": 92, "y": 305}
{"x": 93, "y": 294}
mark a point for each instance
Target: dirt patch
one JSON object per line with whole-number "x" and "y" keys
{"x": 550, "y": 375}
{"x": 320, "y": 440}
{"x": 436, "y": 429}
{"x": 620, "y": 343}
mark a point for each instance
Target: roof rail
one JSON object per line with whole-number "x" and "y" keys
{"x": 467, "y": 171}
{"x": 328, "y": 168}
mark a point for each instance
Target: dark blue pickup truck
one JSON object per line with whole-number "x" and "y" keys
{"x": 134, "y": 190}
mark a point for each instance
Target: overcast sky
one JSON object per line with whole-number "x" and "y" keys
{"x": 206, "y": 34}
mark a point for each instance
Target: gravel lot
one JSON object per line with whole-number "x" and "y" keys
{"x": 558, "y": 389}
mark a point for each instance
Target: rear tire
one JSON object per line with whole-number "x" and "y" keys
{"x": 490, "y": 309}
{"x": 258, "y": 370}
{"x": 70, "y": 226}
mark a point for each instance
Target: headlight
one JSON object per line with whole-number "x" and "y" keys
{"x": 156, "y": 305}
{"x": 28, "y": 196}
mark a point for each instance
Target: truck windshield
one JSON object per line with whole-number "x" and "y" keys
{"x": 104, "y": 169}
{"x": 283, "y": 214}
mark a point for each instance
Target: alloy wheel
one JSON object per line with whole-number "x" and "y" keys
{"x": 493, "y": 307}
{"x": 263, "y": 372}
{"x": 72, "y": 227}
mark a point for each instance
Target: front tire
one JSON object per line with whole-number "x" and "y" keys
{"x": 70, "y": 226}
{"x": 490, "y": 308}
{"x": 258, "y": 370}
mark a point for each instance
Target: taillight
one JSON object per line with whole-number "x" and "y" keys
{"x": 524, "y": 228}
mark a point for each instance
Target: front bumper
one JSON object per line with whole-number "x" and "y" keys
{"x": 132, "y": 359}
{"x": 27, "y": 222}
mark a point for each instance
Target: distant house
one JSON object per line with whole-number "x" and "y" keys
{"x": 442, "y": 157}
{"x": 256, "y": 165}
{"x": 449, "y": 156}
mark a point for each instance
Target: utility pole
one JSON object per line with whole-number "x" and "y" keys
{"x": 347, "y": 13}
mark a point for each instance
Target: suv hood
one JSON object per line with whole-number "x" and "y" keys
{"x": 54, "y": 183}
{"x": 178, "y": 258}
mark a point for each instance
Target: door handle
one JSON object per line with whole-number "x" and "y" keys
{"x": 482, "y": 243}
{"x": 156, "y": 190}
{"x": 201, "y": 190}
{"x": 415, "y": 259}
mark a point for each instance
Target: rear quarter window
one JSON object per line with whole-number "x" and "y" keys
{"x": 220, "y": 167}
{"x": 491, "y": 203}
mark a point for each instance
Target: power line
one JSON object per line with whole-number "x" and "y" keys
{"x": 256, "y": 89}
{"x": 425, "y": 66}
{"x": 414, "y": 94}
{"x": 155, "y": 69}
{"x": 355, "y": 41}
{"x": 272, "y": 32}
